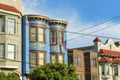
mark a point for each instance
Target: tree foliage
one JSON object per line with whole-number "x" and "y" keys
{"x": 53, "y": 71}
{"x": 11, "y": 76}
{"x": 2, "y": 76}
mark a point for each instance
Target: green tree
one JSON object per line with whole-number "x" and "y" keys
{"x": 12, "y": 76}
{"x": 53, "y": 71}
{"x": 2, "y": 76}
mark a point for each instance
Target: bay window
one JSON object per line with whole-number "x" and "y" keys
{"x": 57, "y": 57}
{"x": 37, "y": 58}
{"x": 12, "y": 27}
{"x": 37, "y": 34}
{"x": 2, "y": 23}
{"x": 53, "y": 58}
{"x": 12, "y": 52}
{"x": 57, "y": 37}
{"x": 2, "y": 51}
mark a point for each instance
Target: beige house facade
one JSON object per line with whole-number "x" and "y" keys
{"x": 10, "y": 38}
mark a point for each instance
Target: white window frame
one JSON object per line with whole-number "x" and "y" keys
{"x": 12, "y": 54}
{"x": 12, "y": 22}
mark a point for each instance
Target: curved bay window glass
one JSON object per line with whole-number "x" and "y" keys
{"x": 57, "y": 37}
{"x": 37, "y": 34}
{"x": 37, "y": 58}
{"x": 41, "y": 34}
{"x": 33, "y": 36}
{"x": 60, "y": 37}
{"x": 53, "y": 37}
{"x": 61, "y": 60}
{"x": 53, "y": 58}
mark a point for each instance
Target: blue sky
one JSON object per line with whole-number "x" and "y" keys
{"x": 80, "y": 14}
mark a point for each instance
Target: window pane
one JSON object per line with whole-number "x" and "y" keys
{"x": 60, "y": 37}
{"x": 41, "y": 34}
{"x": 33, "y": 34}
{"x": 41, "y": 31}
{"x": 2, "y": 51}
{"x": 33, "y": 37}
{"x": 41, "y": 59}
{"x": 11, "y": 52}
{"x": 93, "y": 62}
{"x": 53, "y": 37}
{"x": 41, "y": 38}
{"x": 53, "y": 58}
{"x": 61, "y": 58}
{"x": 79, "y": 77}
{"x": 33, "y": 59}
{"x": 2, "y": 22}
{"x": 11, "y": 26}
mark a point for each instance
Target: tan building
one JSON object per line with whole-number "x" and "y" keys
{"x": 10, "y": 38}
{"x": 86, "y": 64}
{"x": 76, "y": 57}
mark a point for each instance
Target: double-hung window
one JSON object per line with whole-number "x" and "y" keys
{"x": 94, "y": 77}
{"x": 2, "y": 51}
{"x": 115, "y": 69}
{"x": 57, "y": 57}
{"x": 37, "y": 34}
{"x": 103, "y": 69}
{"x": 12, "y": 27}
{"x": 53, "y": 58}
{"x": 93, "y": 62}
{"x": 2, "y": 24}
{"x": 12, "y": 52}
{"x": 41, "y": 58}
{"x": 53, "y": 37}
{"x": 37, "y": 58}
{"x": 33, "y": 36}
{"x": 33, "y": 58}
{"x": 77, "y": 61}
{"x": 41, "y": 34}
{"x": 60, "y": 59}
{"x": 60, "y": 37}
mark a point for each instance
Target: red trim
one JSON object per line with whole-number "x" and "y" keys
{"x": 9, "y": 8}
{"x": 109, "y": 52}
{"x": 105, "y": 59}
{"x": 116, "y": 60}
{"x": 97, "y": 40}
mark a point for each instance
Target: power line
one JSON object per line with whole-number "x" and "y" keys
{"x": 94, "y": 31}
{"x": 93, "y": 35}
{"x": 98, "y": 24}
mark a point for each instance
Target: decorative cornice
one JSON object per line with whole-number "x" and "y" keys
{"x": 38, "y": 18}
{"x": 58, "y": 22}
